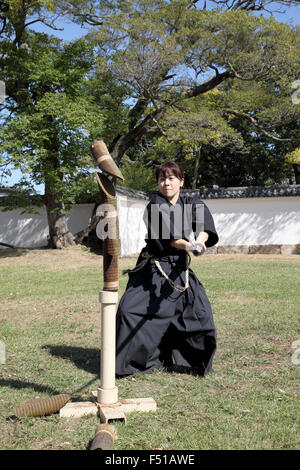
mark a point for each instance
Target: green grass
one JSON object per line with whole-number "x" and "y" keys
{"x": 50, "y": 323}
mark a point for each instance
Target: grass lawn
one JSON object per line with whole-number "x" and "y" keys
{"x": 50, "y": 324}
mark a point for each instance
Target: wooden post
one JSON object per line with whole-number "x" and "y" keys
{"x": 108, "y": 392}
{"x": 105, "y": 399}
{"x": 108, "y": 297}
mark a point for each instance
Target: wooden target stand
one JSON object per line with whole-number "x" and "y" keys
{"x": 105, "y": 401}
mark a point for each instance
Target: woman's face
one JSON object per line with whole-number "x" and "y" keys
{"x": 170, "y": 185}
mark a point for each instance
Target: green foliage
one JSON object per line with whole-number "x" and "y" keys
{"x": 110, "y": 97}
{"x": 52, "y": 118}
{"x": 22, "y": 195}
{"x": 209, "y": 88}
{"x": 190, "y": 73}
{"x": 137, "y": 176}
{"x": 200, "y": 122}
{"x": 84, "y": 188}
{"x": 294, "y": 156}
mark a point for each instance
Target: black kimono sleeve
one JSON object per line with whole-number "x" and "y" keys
{"x": 203, "y": 222}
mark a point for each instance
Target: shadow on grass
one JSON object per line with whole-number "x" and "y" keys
{"x": 87, "y": 359}
{"x": 13, "y": 252}
{"x": 21, "y": 384}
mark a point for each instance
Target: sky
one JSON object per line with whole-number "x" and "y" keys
{"x": 289, "y": 15}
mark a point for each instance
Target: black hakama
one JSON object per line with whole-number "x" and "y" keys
{"x": 157, "y": 326}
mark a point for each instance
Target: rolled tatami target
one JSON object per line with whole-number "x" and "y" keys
{"x": 104, "y": 160}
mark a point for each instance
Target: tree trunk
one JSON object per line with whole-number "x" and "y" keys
{"x": 88, "y": 235}
{"x": 79, "y": 237}
{"x": 59, "y": 233}
{"x": 296, "y": 172}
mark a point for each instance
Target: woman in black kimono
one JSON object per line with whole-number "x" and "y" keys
{"x": 164, "y": 317}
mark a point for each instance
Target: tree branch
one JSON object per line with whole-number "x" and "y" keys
{"x": 135, "y": 134}
{"x": 236, "y": 75}
{"x": 43, "y": 20}
{"x": 207, "y": 86}
{"x": 137, "y": 111}
{"x": 258, "y": 125}
{"x": 254, "y": 5}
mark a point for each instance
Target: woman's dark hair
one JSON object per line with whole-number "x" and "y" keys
{"x": 169, "y": 168}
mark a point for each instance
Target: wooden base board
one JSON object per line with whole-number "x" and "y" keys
{"x": 118, "y": 410}
{"x": 77, "y": 409}
{"x": 107, "y": 413}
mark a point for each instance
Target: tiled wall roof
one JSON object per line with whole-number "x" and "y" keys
{"x": 214, "y": 193}
{"x": 225, "y": 193}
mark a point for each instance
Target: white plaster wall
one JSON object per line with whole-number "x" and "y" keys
{"x": 249, "y": 221}
{"x": 24, "y": 230}
{"x": 257, "y": 221}
{"x": 31, "y": 230}
{"x": 79, "y": 217}
{"x": 131, "y": 225}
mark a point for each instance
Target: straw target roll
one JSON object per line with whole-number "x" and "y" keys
{"x": 111, "y": 238}
{"x": 104, "y": 438}
{"x": 41, "y": 406}
{"x": 104, "y": 160}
